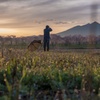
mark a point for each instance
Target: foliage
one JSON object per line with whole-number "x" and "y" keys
{"x": 31, "y": 74}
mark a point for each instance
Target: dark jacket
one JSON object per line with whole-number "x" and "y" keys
{"x": 47, "y": 33}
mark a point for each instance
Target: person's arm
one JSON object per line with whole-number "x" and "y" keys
{"x": 50, "y": 29}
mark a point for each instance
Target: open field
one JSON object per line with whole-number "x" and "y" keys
{"x": 55, "y": 75}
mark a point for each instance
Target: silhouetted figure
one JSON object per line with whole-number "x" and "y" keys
{"x": 47, "y": 31}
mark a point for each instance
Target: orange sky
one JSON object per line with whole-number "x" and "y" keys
{"x": 29, "y": 17}
{"x": 33, "y": 31}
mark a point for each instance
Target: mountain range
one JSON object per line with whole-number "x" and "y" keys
{"x": 84, "y": 30}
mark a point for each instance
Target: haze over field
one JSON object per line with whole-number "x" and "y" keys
{"x": 29, "y": 17}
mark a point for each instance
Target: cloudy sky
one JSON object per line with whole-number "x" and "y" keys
{"x": 29, "y": 17}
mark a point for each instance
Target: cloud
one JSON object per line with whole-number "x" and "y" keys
{"x": 46, "y": 2}
{"x": 29, "y": 13}
{"x": 4, "y": 0}
{"x": 61, "y": 22}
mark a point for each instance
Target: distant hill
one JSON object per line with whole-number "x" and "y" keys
{"x": 82, "y": 30}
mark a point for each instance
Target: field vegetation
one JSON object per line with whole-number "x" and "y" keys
{"x": 54, "y": 75}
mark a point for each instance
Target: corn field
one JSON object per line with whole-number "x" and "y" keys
{"x": 57, "y": 75}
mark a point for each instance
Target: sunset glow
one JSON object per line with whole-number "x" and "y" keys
{"x": 29, "y": 17}
{"x": 6, "y": 31}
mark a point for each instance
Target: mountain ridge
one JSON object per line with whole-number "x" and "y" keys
{"x": 83, "y": 30}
